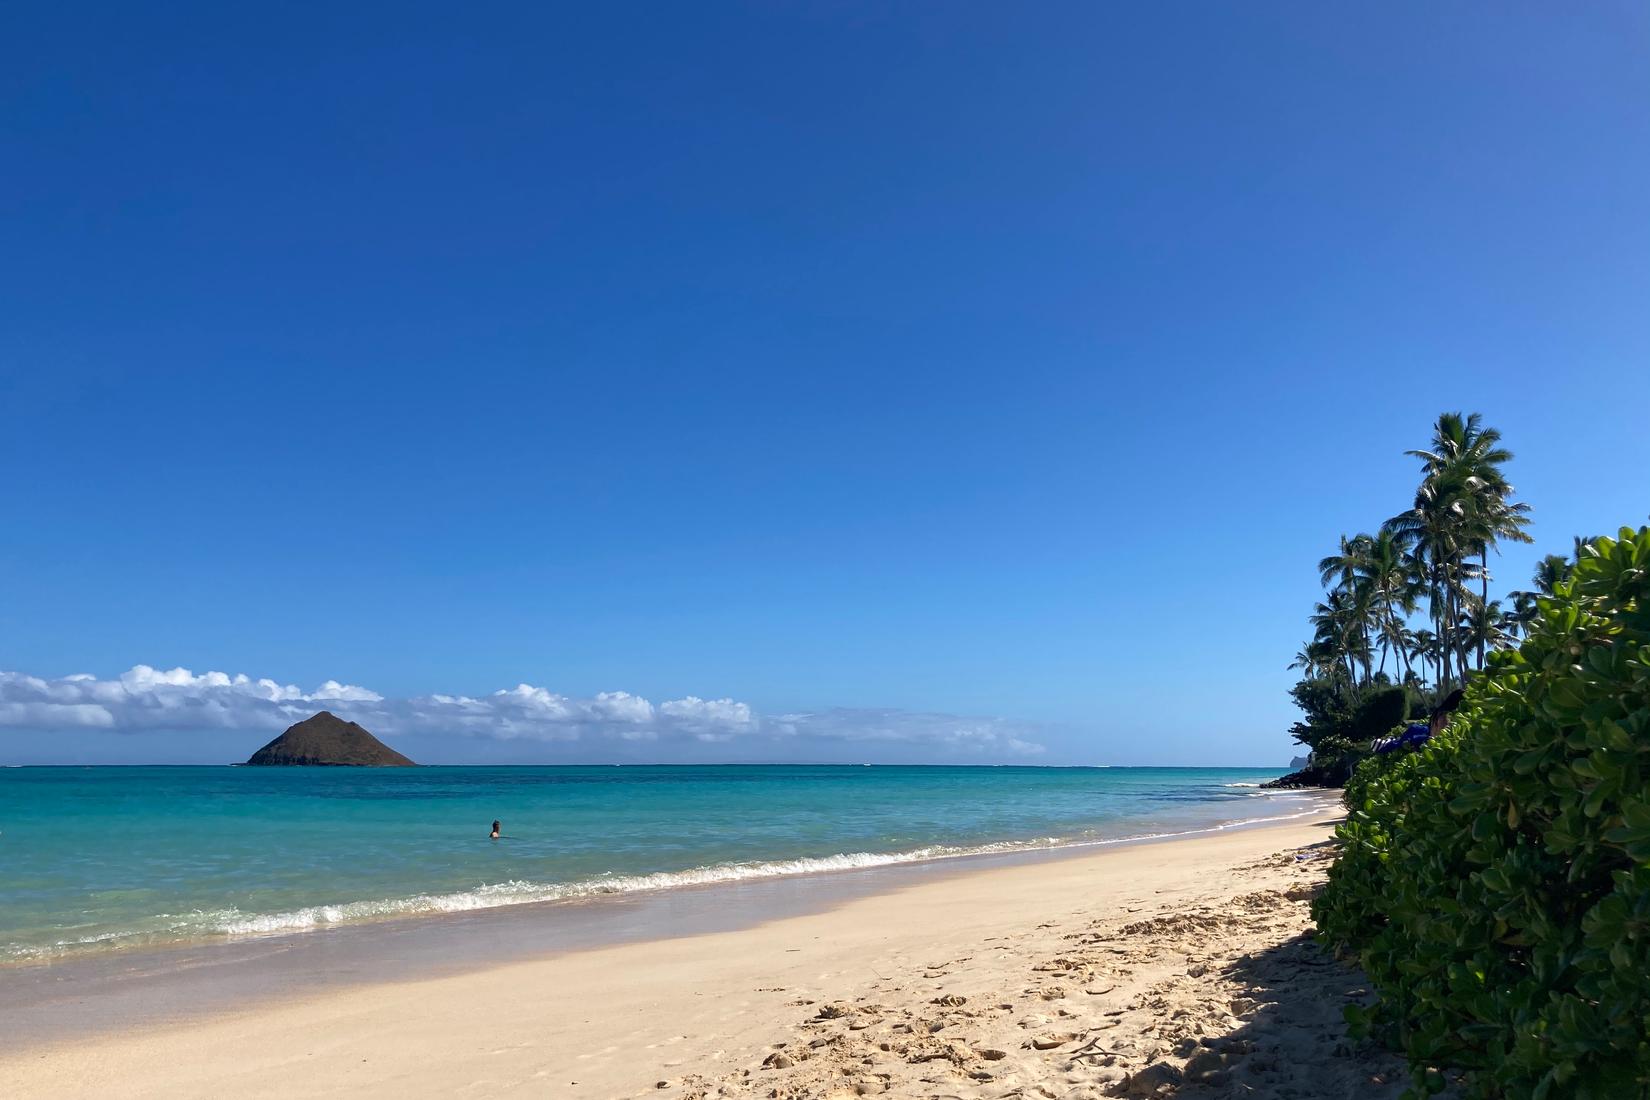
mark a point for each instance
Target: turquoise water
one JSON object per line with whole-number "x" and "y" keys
{"x": 99, "y": 858}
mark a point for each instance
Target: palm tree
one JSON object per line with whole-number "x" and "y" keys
{"x": 1463, "y": 507}
{"x": 1550, "y": 572}
{"x": 1338, "y": 631}
{"x": 1426, "y": 648}
{"x": 1492, "y": 514}
{"x": 1361, "y": 605}
{"x": 1486, "y": 626}
{"x": 1430, "y": 531}
{"x": 1439, "y": 547}
{"x": 1342, "y": 567}
{"x": 1317, "y": 661}
{"x": 1553, "y": 570}
{"x": 1395, "y": 638}
{"x": 1387, "y": 572}
{"x": 1410, "y": 646}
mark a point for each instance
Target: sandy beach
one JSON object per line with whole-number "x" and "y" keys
{"x": 1173, "y": 968}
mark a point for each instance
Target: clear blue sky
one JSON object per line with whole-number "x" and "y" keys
{"x": 958, "y": 359}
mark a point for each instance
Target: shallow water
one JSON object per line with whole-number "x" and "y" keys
{"x": 99, "y": 858}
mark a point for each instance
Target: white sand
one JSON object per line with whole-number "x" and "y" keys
{"x": 1070, "y": 977}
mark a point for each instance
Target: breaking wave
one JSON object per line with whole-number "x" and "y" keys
{"x": 234, "y": 924}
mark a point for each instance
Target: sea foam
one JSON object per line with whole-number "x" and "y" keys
{"x": 234, "y": 924}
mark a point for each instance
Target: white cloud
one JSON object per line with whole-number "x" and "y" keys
{"x": 146, "y": 698}
{"x": 621, "y": 706}
{"x": 964, "y": 736}
{"x": 55, "y": 715}
{"x": 708, "y": 714}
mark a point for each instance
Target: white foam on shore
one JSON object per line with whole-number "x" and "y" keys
{"x": 232, "y": 923}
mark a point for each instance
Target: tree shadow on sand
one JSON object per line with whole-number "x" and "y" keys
{"x": 1292, "y": 1039}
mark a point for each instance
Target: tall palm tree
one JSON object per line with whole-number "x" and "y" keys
{"x": 1386, "y": 571}
{"x": 1395, "y": 638}
{"x": 1492, "y": 514}
{"x": 1410, "y": 646}
{"x": 1337, "y": 624}
{"x": 1430, "y": 531}
{"x": 1426, "y": 648}
{"x": 1347, "y": 569}
{"x": 1462, "y": 508}
{"x": 1342, "y": 566}
{"x": 1318, "y": 661}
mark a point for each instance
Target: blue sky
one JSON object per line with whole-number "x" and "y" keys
{"x": 878, "y": 364}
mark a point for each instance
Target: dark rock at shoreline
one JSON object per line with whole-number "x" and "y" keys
{"x": 326, "y": 740}
{"x": 1317, "y": 775}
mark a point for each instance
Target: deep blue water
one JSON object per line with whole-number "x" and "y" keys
{"x": 110, "y": 857}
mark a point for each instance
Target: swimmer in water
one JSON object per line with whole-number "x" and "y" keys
{"x": 494, "y": 834}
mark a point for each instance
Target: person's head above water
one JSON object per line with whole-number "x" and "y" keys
{"x": 495, "y": 831}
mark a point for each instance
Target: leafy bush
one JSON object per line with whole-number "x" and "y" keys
{"x": 1496, "y": 884}
{"x": 1339, "y": 732}
{"x": 1376, "y": 714}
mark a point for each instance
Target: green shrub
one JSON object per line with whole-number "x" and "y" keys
{"x": 1339, "y": 733}
{"x": 1376, "y": 714}
{"x": 1496, "y": 884}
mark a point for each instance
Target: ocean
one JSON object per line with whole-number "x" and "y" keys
{"x": 104, "y": 858}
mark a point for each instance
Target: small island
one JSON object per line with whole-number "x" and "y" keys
{"x": 327, "y": 740}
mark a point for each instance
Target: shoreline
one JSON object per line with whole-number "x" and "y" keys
{"x": 486, "y": 995}
{"x": 99, "y": 992}
{"x": 435, "y": 874}
{"x": 322, "y": 918}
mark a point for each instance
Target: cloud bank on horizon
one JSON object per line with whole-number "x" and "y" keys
{"x": 150, "y": 699}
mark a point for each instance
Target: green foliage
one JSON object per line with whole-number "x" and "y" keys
{"x": 1325, "y": 709}
{"x": 1496, "y": 884}
{"x": 1338, "y": 734}
{"x": 1376, "y": 714}
{"x": 1439, "y": 549}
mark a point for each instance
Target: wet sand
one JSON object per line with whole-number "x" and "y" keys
{"x": 991, "y": 979}
{"x": 80, "y": 997}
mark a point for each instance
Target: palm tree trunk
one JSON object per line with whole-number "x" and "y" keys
{"x": 1484, "y": 581}
{"x": 1466, "y": 638}
{"x": 1397, "y": 637}
{"x": 1467, "y": 633}
{"x": 1440, "y": 632}
{"x": 1432, "y": 650}
{"x": 1448, "y": 633}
